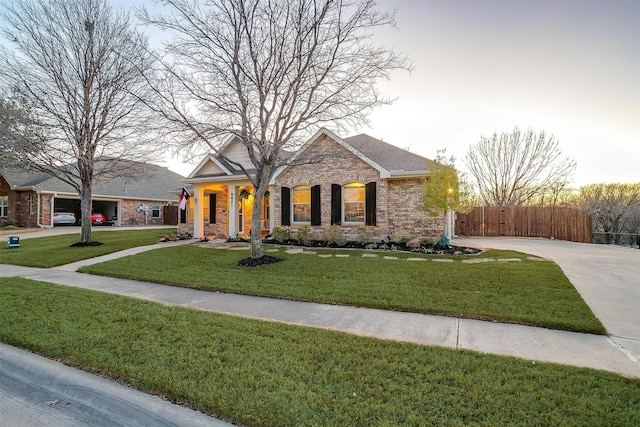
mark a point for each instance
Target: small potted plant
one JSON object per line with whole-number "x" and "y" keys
{"x": 244, "y": 193}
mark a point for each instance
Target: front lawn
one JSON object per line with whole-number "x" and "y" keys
{"x": 527, "y": 292}
{"x": 54, "y": 250}
{"x": 269, "y": 374}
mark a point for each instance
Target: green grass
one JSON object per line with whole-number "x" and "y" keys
{"x": 54, "y": 250}
{"x": 527, "y": 292}
{"x": 269, "y": 374}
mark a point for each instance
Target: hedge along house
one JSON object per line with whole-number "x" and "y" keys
{"x": 360, "y": 186}
{"x": 30, "y": 199}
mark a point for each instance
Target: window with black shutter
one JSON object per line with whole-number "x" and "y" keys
{"x": 285, "y": 208}
{"x": 315, "y": 206}
{"x": 370, "y": 203}
{"x": 336, "y": 204}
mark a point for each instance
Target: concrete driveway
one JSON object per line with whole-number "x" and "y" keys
{"x": 606, "y": 276}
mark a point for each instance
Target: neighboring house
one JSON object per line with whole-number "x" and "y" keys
{"x": 359, "y": 184}
{"x": 29, "y": 199}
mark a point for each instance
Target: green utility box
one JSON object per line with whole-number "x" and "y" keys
{"x": 13, "y": 242}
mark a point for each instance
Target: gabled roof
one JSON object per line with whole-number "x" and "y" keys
{"x": 390, "y": 161}
{"x": 394, "y": 159}
{"x": 22, "y": 178}
{"x": 148, "y": 182}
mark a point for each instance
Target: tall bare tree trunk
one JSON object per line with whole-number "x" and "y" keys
{"x": 256, "y": 224}
{"x": 85, "y": 212}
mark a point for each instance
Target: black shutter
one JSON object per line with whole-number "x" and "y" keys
{"x": 285, "y": 206}
{"x": 183, "y": 216}
{"x": 212, "y": 208}
{"x": 370, "y": 203}
{"x": 336, "y": 204}
{"x": 315, "y": 205}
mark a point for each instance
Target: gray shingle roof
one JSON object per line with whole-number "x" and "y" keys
{"x": 390, "y": 157}
{"x": 150, "y": 182}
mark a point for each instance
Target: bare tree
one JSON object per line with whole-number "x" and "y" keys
{"x": 613, "y": 207}
{"x": 512, "y": 168}
{"x": 270, "y": 73}
{"x": 74, "y": 68}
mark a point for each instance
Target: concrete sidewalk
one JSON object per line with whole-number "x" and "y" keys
{"x": 532, "y": 343}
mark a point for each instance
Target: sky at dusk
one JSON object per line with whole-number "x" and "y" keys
{"x": 570, "y": 68}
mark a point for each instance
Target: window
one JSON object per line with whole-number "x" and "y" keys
{"x": 353, "y": 203}
{"x": 32, "y": 205}
{"x": 206, "y": 208}
{"x": 302, "y": 204}
{"x": 155, "y": 211}
{"x": 4, "y": 206}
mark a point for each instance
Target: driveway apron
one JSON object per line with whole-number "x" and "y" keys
{"x": 606, "y": 276}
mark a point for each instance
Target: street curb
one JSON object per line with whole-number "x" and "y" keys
{"x": 123, "y": 405}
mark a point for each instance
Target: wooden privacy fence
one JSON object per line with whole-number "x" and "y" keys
{"x": 170, "y": 215}
{"x": 550, "y": 222}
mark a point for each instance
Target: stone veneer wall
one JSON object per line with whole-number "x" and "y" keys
{"x": 220, "y": 229}
{"x": 406, "y": 216}
{"x": 399, "y": 212}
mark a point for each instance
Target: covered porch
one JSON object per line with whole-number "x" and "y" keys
{"x": 224, "y": 209}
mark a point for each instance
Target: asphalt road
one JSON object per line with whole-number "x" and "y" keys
{"x": 25, "y": 404}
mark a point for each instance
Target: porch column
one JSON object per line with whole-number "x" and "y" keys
{"x": 233, "y": 211}
{"x": 198, "y": 212}
{"x": 272, "y": 210}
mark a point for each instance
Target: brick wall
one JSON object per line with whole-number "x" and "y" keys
{"x": 406, "y": 216}
{"x": 20, "y": 207}
{"x": 399, "y": 212}
{"x": 5, "y": 190}
{"x": 131, "y": 215}
{"x": 45, "y": 209}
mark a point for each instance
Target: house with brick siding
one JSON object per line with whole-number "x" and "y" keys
{"x": 357, "y": 185}
{"x": 147, "y": 195}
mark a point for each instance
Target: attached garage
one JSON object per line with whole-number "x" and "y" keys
{"x": 32, "y": 199}
{"x": 110, "y": 208}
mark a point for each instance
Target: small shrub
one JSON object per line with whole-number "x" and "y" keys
{"x": 371, "y": 246}
{"x": 280, "y": 234}
{"x": 403, "y": 239}
{"x": 427, "y": 242}
{"x": 303, "y": 233}
{"x": 365, "y": 233}
{"x": 333, "y": 235}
